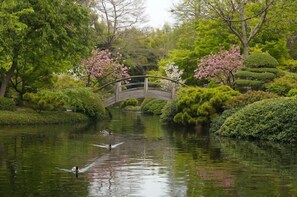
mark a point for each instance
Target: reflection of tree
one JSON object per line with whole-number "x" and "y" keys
{"x": 270, "y": 167}
{"x": 29, "y": 161}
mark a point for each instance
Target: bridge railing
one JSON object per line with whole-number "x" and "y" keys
{"x": 139, "y": 87}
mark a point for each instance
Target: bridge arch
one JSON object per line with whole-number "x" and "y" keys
{"x": 142, "y": 88}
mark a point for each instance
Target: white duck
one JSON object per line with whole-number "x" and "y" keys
{"x": 108, "y": 146}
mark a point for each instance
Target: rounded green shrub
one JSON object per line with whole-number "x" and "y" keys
{"x": 196, "y": 105}
{"x": 282, "y": 85}
{"x": 46, "y": 100}
{"x": 218, "y": 121}
{"x": 260, "y": 60}
{"x": 7, "y": 104}
{"x": 270, "y": 119}
{"x": 248, "y": 98}
{"x": 77, "y": 99}
{"x": 168, "y": 112}
{"x": 259, "y": 69}
{"x": 153, "y": 106}
{"x": 85, "y": 101}
{"x": 129, "y": 102}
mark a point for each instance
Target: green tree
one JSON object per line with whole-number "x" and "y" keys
{"x": 52, "y": 35}
{"x": 244, "y": 18}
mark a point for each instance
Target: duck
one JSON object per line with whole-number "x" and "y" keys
{"x": 76, "y": 170}
{"x": 105, "y": 132}
{"x": 108, "y": 146}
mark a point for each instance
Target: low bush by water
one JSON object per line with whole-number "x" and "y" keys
{"x": 271, "y": 119}
{"x": 34, "y": 118}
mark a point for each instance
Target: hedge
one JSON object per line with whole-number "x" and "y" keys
{"x": 271, "y": 119}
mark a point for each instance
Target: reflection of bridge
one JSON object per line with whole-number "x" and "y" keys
{"x": 140, "y": 87}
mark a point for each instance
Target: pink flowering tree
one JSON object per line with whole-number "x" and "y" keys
{"x": 221, "y": 66}
{"x": 101, "y": 68}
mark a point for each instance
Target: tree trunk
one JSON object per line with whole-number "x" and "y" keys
{"x": 245, "y": 42}
{"x": 6, "y": 77}
{"x": 3, "y": 87}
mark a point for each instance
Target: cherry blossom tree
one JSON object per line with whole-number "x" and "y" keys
{"x": 221, "y": 66}
{"x": 101, "y": 67}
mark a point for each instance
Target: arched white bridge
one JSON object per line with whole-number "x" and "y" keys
{"x": 142, "y": 88}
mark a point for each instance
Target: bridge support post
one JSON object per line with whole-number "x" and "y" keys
{"x": 118, "y": 91}
{"x": 173, "y": 91}
{"x": 145, "y": 86}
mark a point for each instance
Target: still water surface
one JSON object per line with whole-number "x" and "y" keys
{"x": 153, "y": 161}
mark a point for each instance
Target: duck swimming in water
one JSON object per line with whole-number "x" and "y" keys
{"x": 105, "y": 132}
{"x": 108, "y": 146}
{"x": 76, "y": 170}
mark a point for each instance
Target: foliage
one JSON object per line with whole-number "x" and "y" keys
{"x": 169, "y": 111}
{"x": 153, "y": 106}
{"x": 116, "y": 16}
{"x": 7, "y": 104}
{"x": 271, "y": 119}
{"x": 221, "y": 66}
{"x": 78, "y": 100}
{"x": 129, "y": 102}
{"x": 40, "y": 40}
{"x": 248, "y": 98}
{"x": 245, "y": 19}
{"x": 33, "y": 118}
{"x": 260, "y": 60}
{"x": 218, "y": 121}
{"x": 46, "y": 100}
{"x": 289, "y": 65}
{"x": 197, "y": 105}
{"x": 259, "y": 69}
{"x": 62, "y": 81}
{"x": 85, "y": 101}
{"x": 292, "y": 92}
{"x": 282, "y": 85}
{"x": 103, "y": 67}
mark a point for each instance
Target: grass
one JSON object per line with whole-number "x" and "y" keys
{"x": 28, "y": 117}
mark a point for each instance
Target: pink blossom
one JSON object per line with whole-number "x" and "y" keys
{"x": 221, "y": 66}
{"x": 102, "y": 65}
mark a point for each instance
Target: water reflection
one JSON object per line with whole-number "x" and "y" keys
{"x": 108, "y": 146}
{"x": 76, "y": 170}
{"x": 154, "y": 161}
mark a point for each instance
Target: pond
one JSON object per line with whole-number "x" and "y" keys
{"x": 152, "y": 161}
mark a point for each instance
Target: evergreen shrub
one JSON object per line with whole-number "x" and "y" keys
{"x": 270, "y": 119}
{"x": 129, "y": 102}
{"x": 259, "y": 69}
{"x": 78, "y": 100}
{"x": 196, "y": 105}
{"x": 248, "y": 98}
{"x": 260, "y": 60}
{"x": 7, "y": 104}
{"x": 282, "y": 85}
{"x": 169, "y": 111}
{"x": 153, "y": 106}
{"x": 85, "y": 101}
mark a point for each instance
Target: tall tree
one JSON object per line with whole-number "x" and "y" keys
{"x": 118, "y": 15}
{"x": 187, "y": 10}
{"x": 244, "y": 18}
{"x": 50, "y": 37}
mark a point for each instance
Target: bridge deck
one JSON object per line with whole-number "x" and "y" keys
{"x": 138, "y": 89}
